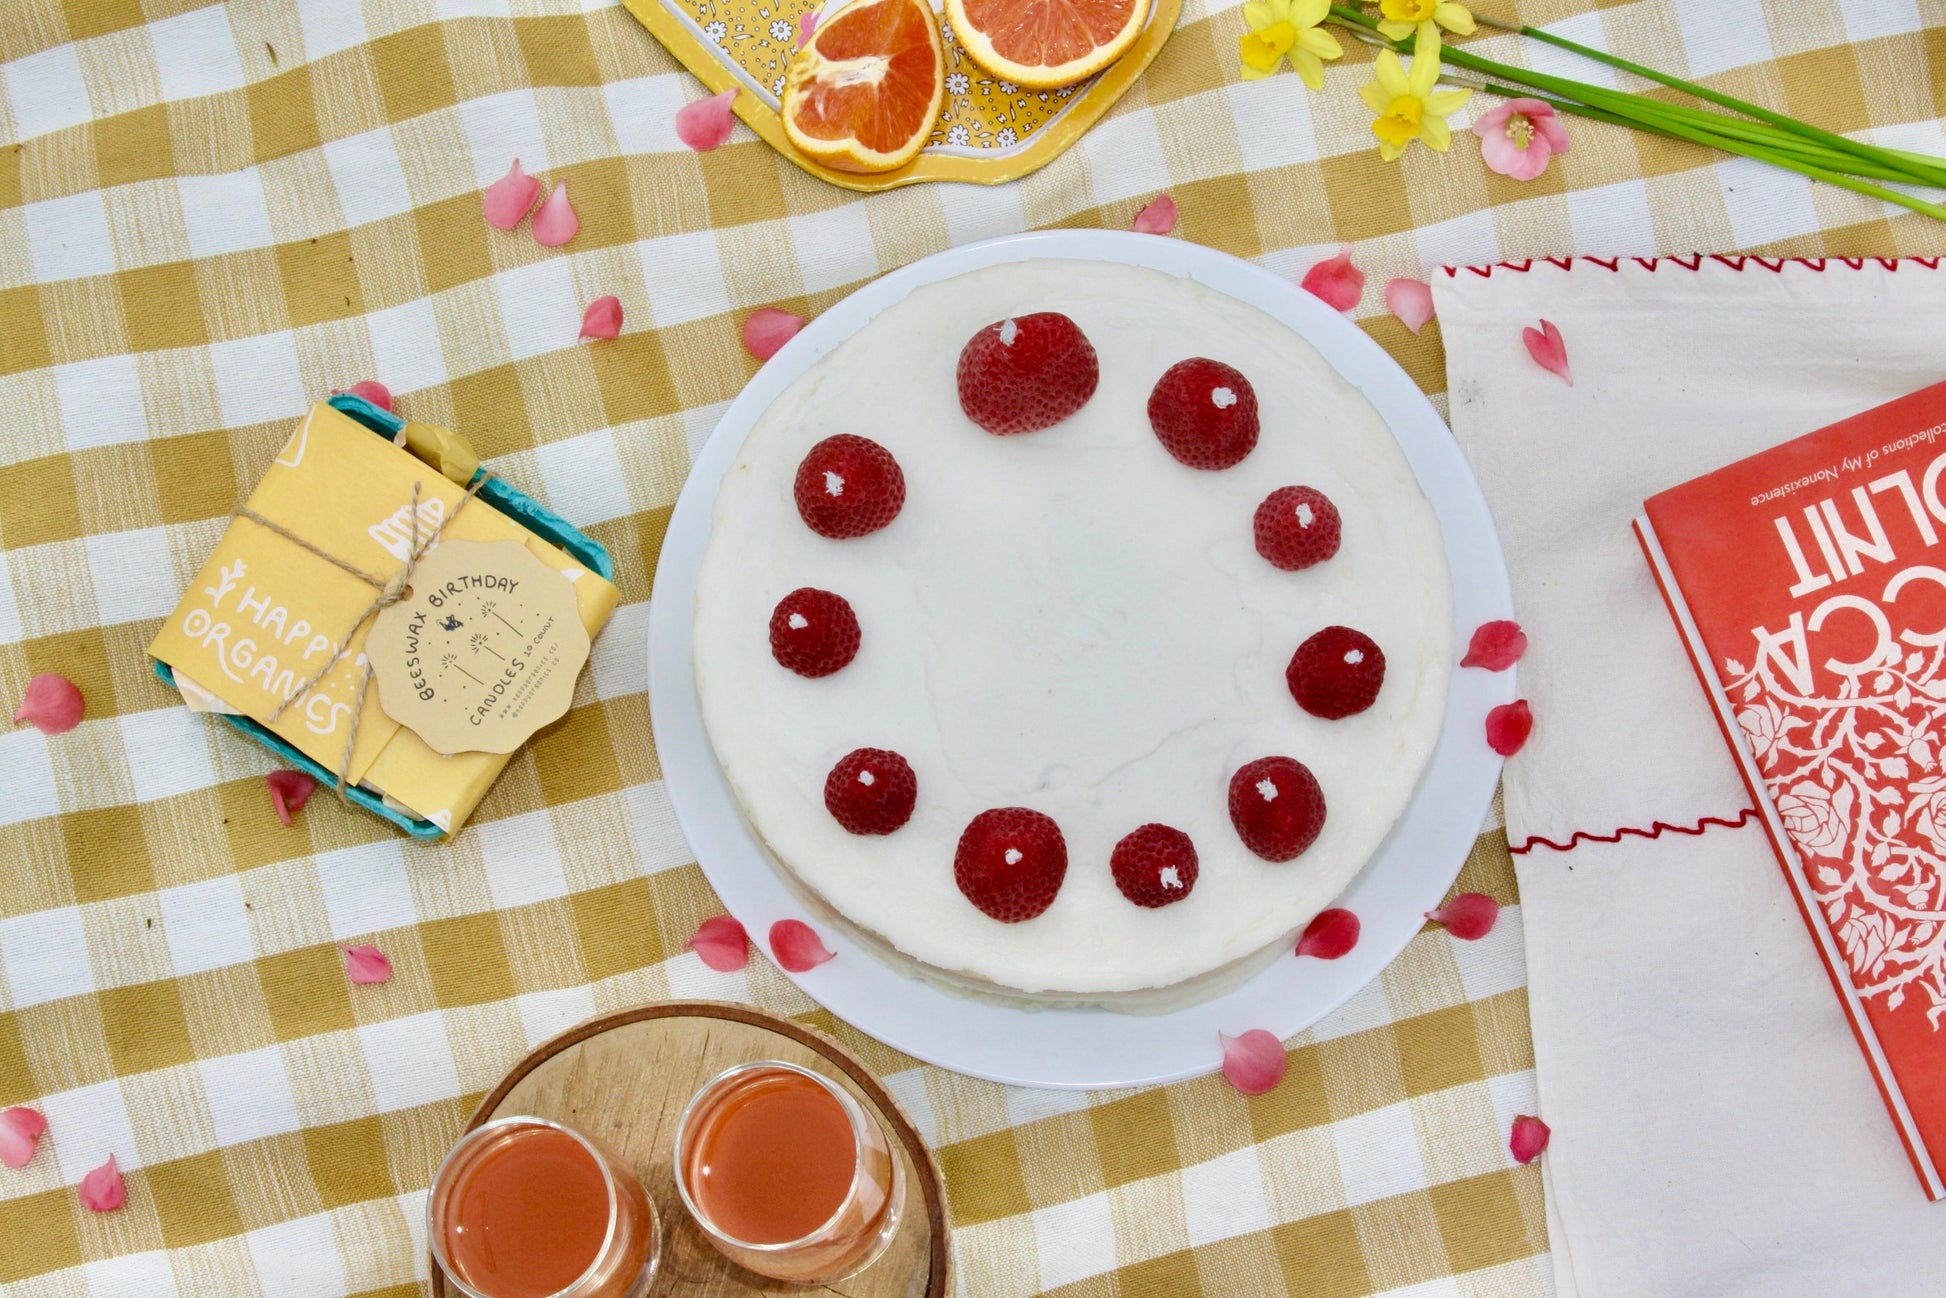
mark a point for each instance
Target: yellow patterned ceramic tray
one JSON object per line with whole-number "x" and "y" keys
{"x": 989, "y": 131}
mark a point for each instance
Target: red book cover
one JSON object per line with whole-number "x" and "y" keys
{"x": 1809, "y": 584}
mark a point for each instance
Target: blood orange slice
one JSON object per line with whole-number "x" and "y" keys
{"x": 1043, "y": 44}
{"x": 862, "y": 95}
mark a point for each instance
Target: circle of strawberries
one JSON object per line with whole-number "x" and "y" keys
{"x": 1154, "y": 866}
{"x": 1276, "y": 807}
{"x": 848, "y": 486}
{"x": 813, "y": 632}
{"x": 1020, "y": 375}
{"x": 1010, "y": 863}
{"x": 1026, "y": 373}
{"x": 1336, "y": 673}
{"x": 871, "y": 791}
{"x": 1297, "y": 527}
{"x": 1204, "y": 413}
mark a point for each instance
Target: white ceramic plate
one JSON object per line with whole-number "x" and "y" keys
{"x": 1408, "y": 876}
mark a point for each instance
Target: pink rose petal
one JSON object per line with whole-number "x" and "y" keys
{"x": 510, "y": 198}
{"x": 556, "y": 222}
{"x": 102, "y": 1189}
{"x": 1330, "y": 934}
{"x": 52, "y": 704}
{"x": 20, "y": 1131}
{"x": 1508, "y": 727}
{"x": 807, "y": 26}
{"x": 722, "y": 943}
{"x": 373, "y": 391}
{"x": 1159, "y": 217}
{"x": 1410, "y": 300}
{"x": 1529, "y": 1138}
{"x": 1254, "y": 1061}
{"x": 797, "y": 946}
{"x": 768, "y": 329}
{"x": 366, "y": 964}
{"x": 602, "y": 319}
{"x": 705, "y": 124}
{"x": 1339, "y": 283}
{"x": 1496, "y": 646}
{"x": 1548, "y": 350}
{"x": 289, "y": 791}
{"x": 1469, "y": 916}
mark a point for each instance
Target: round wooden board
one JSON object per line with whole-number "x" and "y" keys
{"x": 625, "y": 1078}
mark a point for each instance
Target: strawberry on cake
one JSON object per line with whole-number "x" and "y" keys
{"x": 1072, "y": 632}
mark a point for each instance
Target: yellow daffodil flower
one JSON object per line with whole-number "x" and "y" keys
{"x": 1287, "y": 29}
{"x": 1408, "y": 107}
{"x": 1401, "y": 18}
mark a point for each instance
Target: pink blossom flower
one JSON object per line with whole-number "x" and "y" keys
{"x": 1518, "y": 137}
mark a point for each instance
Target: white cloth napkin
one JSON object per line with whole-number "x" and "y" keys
{"x": 1716, "y": 1130}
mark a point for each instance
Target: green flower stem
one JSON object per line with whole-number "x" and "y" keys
{"x": 1804, "y": 150}
{"x": 1926, "y": 175}
{"x": 1874, "y": 162}
{"x": 1686, "y": 123}
{"x": 1742, "y": 148}
{"x": 1769, "y": 137}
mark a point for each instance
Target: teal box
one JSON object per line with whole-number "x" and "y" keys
{"x": 523, "y": 509}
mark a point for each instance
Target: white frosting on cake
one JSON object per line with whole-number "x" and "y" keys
{"x": 1070, "y": 620}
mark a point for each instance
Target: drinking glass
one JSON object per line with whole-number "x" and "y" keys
{"x": 520, "y": 1201}
{"x": 859, "y": 1228}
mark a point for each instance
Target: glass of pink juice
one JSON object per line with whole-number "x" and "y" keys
{"x": 787, "y": 1174}
{"x": 528, "y": 1208}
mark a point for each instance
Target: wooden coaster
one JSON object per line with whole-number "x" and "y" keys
{"x": 625, "y": 1079}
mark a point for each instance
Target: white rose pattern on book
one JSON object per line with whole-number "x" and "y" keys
{"x": 1856, "y": 779}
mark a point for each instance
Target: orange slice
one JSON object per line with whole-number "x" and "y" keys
{"x": 863, "y": 94}
{"x": 1043, "y": 44}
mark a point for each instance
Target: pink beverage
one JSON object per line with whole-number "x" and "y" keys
{"x": 787, "y": 1174}
{"x": 526, "y": 1208}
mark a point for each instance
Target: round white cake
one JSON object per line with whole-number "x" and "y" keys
{"x": 1072, "y": 621}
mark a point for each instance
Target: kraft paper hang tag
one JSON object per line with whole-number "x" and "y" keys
{"x": 482, "y": 652}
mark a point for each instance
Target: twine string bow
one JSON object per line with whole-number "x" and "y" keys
{"x": 390, "y": 591}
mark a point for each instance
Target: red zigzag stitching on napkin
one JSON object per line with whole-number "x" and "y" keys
{"x": 1656, "y": 829}
{"x": 1735, "y": 262}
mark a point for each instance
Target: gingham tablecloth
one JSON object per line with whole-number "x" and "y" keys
{"x": 212, "y": 214}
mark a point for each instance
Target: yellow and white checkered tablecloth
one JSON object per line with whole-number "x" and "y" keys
{"x": 212, "y": 214}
